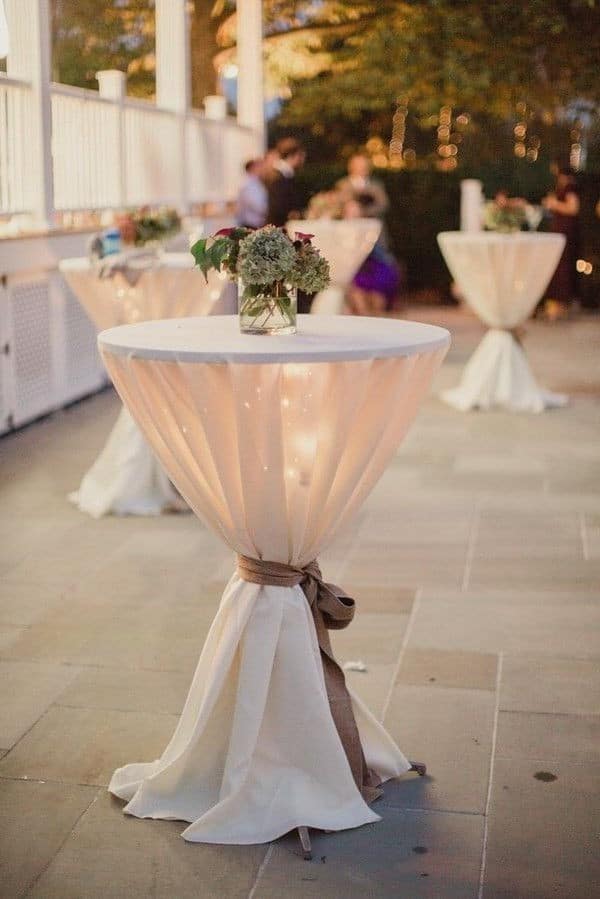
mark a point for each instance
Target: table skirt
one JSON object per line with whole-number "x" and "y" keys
{"x": 256, "y": 752}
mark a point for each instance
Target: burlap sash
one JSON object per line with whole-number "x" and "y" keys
{"x": 332, "y": 609}
{"x": 516, "y": 333}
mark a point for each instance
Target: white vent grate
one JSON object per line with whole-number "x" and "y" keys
{"x": 30, "y": 312}
{"x": 5, "y": 371}
{"x": 83, "y": 368}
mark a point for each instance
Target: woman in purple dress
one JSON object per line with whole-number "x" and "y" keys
{"x": 376, "y": 285}
{"x": 563, "y": 205}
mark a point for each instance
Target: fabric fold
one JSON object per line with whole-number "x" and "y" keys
{"x": 332, "y": 609}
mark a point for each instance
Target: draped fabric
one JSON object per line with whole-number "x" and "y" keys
{"x": 345, "y": 244}
{"x": 502, "y": 277}
{"x": 332, "y": 609}
{"x": 126, "y": 479}
{"x": 166, "y": 286}
{"x": 274, "y": 458}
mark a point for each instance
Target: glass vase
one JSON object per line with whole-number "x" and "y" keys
{"x": 267, "y": 309}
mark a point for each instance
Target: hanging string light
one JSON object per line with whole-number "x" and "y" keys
{"x": 520, "y": 131}
{"x": 575, "y": 153}
{"x": 526, "y": 146}
{"x": 398, "y": 133}
{"x": 447, "y": 148}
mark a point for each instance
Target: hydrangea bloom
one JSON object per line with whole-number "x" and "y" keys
{"x": 310, "y": 272}
{"x": 266, "y": 256}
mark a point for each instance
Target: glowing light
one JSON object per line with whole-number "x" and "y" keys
{"x": 374, "y": 145}
{"x": 584, "y": 267}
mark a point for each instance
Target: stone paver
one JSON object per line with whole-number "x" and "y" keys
{"x": 476, "y": 568}
{"x": 84, "y": 746}
{"x": 421, "y": 855}
{"x": 543, "y": 837}
{"x": 36, "y": 819}
{"x": 110, "y": 856}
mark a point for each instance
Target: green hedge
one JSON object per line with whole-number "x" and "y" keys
{"x": 425, "y": 202}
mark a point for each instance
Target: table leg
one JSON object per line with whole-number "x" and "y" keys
{"x": 305, "y": 843}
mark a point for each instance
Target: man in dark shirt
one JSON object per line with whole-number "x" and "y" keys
{"x": 285, "y": 200}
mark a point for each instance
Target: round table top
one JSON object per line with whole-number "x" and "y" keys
{"x": 166, "y": 260}
{"x": 320, "y": 338}
{"x": 489, "y": 237}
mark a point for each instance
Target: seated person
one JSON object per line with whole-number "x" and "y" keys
{"x": 376, "y": 284}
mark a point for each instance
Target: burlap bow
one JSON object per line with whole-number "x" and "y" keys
{"x": 332, "y": 609}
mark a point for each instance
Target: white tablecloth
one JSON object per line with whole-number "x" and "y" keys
{"x": 275, "y": 442}
{"x": 502, "y": 277}
{"x": 126, "y": 478}
{"x": 345, "y": 244}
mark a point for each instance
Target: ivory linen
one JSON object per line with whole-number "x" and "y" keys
{"x": 502, "y": 277}
{"x": 274, "y": 442}
{"x": 345, "y": 244}
{"x": 126, "y": 479}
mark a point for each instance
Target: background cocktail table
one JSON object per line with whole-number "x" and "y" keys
{"x": 274, "y": 442}
{"x": 502, "y": 277}
{"x": 126, "y": 478}
{"x": 345, "y": 244}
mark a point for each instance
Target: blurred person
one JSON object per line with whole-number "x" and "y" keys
{"x": 376, "y": 285}
{"x": 563, "y": 204}
{"x": 285, "y": 200}
{"x": 271, "y": 159}
{"x": 252, "y": 200}
{"x": 360, "y": 186}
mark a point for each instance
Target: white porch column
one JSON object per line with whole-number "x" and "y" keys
{"x": 173, "y": 73}
{"x": 250, "y": 87}
{"x": 173, "y": 76}
{"x": 112, "y": 85}
{"x": 29, "y": 59}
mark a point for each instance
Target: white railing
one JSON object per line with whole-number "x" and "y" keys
{"x": 154, "y": 160}
{"x": 115, "y": 153}
{"x": 16, "y": 161}
{"x": 85, "y": 149}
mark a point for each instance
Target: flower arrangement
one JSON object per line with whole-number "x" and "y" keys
{"x": 270, "y": 267}
{"x": 327, "y": 204}
{"x": 143, "y": 227}
{"x": 507, "y": 218}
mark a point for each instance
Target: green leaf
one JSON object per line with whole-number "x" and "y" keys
{"x": 201, "y": 256}
{"x": 219, "y": 251}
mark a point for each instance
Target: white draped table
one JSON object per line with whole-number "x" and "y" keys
{"x": 345, "y": 244}
{"x": 126, "y": 479}
{"x": 274, "y": 442}
{"x": 502, "y": 277}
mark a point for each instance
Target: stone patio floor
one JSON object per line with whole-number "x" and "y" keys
{"x": 476, "y": 564}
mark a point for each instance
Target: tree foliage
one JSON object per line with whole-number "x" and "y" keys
{"x": 88, "y": 36}
{"x": 484, "y": 57}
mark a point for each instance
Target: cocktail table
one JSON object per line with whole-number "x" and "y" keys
{"x": 126, "y": 479}
{"x": 274, "y": 442}
{"x": 502, "y": 277}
